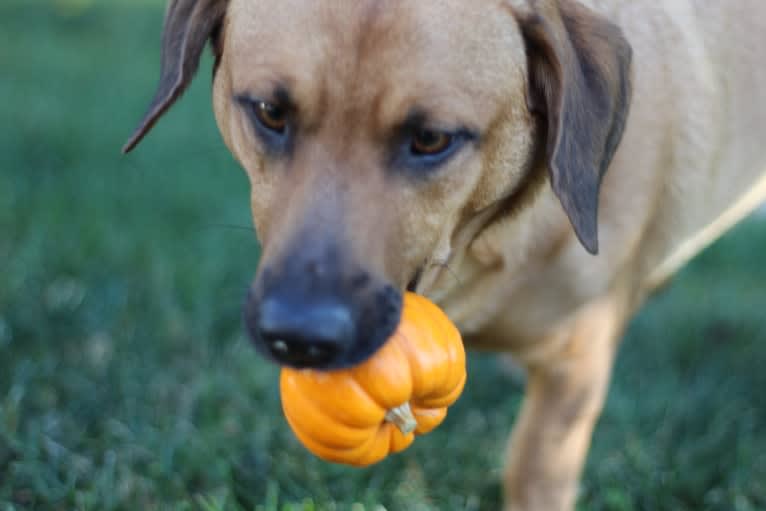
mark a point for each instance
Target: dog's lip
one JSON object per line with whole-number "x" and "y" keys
{"x": 415, "y": 280}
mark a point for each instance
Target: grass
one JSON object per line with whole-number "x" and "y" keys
{"x": 125, "y": 379}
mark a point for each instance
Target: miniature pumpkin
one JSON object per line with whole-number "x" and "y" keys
{"x": 357, "y": 416}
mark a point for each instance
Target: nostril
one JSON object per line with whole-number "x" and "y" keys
{"x": 300, "y": 354}
{"x": 280, "y": 346}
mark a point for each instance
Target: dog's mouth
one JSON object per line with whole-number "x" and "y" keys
{"x": 412, "y": 286}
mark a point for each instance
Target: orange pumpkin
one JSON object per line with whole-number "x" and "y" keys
{"x": 358, "y": 416}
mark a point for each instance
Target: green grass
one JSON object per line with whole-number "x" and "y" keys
{"x": 125, "y": 379}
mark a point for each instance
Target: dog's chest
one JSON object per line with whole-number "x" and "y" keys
{"x": 498, "y": 305}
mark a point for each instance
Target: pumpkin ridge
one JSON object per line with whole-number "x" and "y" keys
{"x": 379, "y": 448}
{"x": 405, "y": 345}
{"x": 351, "y": 455}
{"x": 341, "y": 414}
{"x": 443, "y": 401}
{"x": 429, "y": 419}
{"x": 397, "y": 440}
{"x": 310, "y": 418}
{"x": 439, "y": 321}
{"x": 438, "y": 335}
{"x": 452, "y": 342}
{"x": 392, "y": 349}
{"x": 423, "y": 328}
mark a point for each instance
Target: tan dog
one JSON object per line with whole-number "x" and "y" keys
{"x": 458, "y": 148}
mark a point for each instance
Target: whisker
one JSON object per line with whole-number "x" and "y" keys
{"x": 235, "y": 227}
{"x": 445, "y": 265}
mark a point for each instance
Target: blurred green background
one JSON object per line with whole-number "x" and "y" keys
{"x": 126, "y": 381}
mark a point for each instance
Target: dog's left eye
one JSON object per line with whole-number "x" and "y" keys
{"x": 272, "y": 121}
{"x": 270, "y": 116}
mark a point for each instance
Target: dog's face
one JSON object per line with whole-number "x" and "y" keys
{"x": 372, "y": 133}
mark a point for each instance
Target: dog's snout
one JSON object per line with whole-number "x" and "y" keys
{"x": 305, "y": 334}
{"x": 312, "y": 308}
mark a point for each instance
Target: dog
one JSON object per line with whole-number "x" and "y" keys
{"x": 536, "y": 167}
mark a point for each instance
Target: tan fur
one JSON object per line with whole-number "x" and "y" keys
{"x": 338, "y": 83}
{"x": 518, "y": 279}
{"x": 523, "y": 283}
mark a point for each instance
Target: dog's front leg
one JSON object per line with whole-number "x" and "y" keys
{"x": 565, "y": 394}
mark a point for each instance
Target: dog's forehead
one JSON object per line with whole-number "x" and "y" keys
{"x": 398, "y": 54}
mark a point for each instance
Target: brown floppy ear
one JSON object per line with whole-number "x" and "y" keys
{"x": 188, "y": 26}
{"x": 579, "y": 81}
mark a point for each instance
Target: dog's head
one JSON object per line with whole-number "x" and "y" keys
{"x": 374, "y": 131}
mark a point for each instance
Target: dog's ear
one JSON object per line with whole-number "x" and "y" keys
{"x": 579, "y": 82}
{"x": 188, "y": 26}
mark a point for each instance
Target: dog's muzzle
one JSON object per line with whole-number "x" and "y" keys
{"x": 321, "y": 320}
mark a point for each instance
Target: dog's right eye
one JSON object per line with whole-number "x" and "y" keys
{"x": 427, "y": 142}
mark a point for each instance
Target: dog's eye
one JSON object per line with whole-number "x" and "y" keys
{"x": 271, "y": 116}
{"x": 427, "y": 142}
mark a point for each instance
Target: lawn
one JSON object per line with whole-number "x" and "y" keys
{"x": 126, "y": 382}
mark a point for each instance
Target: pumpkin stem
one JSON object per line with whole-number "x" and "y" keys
{"x": 402, "y": 418}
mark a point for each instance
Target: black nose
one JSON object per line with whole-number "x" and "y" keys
{"x": 305, "y": 334}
